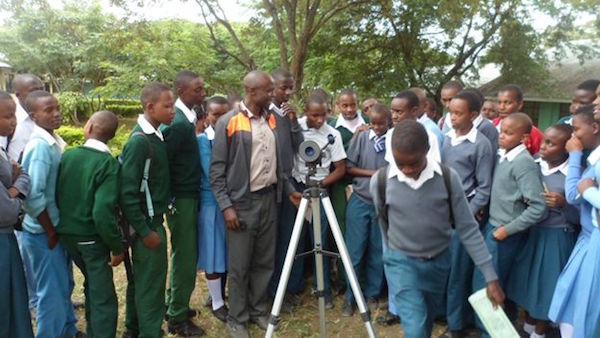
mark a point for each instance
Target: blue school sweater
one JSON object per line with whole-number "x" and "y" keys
{"x": 418, "y": 230}
{"x": 473, "y": 160}
{"x": 41, "y": 159}
{"x": 516, "y": 201}
{"x": 362, "y": 154}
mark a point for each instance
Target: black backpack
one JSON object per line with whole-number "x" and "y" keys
{"x": 382, "y": 175}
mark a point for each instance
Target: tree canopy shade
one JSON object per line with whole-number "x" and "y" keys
{"x": 376, "y": 47}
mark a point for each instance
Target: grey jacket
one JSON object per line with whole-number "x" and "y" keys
{"x": 10, "y": 207}
{"x": 230, "y": 164}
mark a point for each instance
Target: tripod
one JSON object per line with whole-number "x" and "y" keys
{"x": 316, "y": 195}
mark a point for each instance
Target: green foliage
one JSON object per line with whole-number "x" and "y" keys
{"x": 74, "y": 137}
{"x": 125, "y": 110}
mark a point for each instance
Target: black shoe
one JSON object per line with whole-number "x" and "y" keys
{"x": 221, "y": 313}
{"x": 347, "y": 309}
{"x": 372, "y": 304}
{"x": 192, "y": 313}
{"x": 388, "y": 320}
{"x": 186, "y": 329}
{"x": 129, "y": 334}
{"x": 286, "y": 306}
{"x": 262, "y": 321}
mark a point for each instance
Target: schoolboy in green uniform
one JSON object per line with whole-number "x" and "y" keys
{"x": 145, "y": 296}
{"x": 87, "y": 194}
{"x": 185, "y": 169}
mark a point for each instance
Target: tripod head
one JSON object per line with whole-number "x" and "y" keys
{"x": 312, "y": 155}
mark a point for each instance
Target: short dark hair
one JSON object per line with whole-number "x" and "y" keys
{"x": 34, "y": 96}
{"x": 315, "y": 98}
{"x": 281, "y": 74}
{"x": 347, "y": 92}
{"x": 410, "y": 97}
{"x": 589, "y": 85}
{"x": 380, "y": 108}
{"x": 564, "y": 129}
{"x": 586, "y": 112}
{"x": 183, "y": 78}
{"x": 523, "y": 119}
{"x": 472, "y": 99}
{"x": 453, "y": 84}
{"x": 217, "y": 99}
{"x": 152, "y": 91}
{"x": 410, "y": 136}
{"x": 514, "y": 89}
{"x": 431, "y": 102}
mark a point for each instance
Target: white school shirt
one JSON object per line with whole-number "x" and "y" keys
{"x": 147, "y": 128}
{"x": 471, "y": 136}
{"x": 350, "y": 125}
{"x": 333, "y": 153}
{"x": 191, "y": 116}
{"x": 510, "y": 155}
{"x": 431, "y": 168}
{"x": 25, "y": 127}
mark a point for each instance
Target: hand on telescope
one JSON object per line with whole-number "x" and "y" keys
{"x": 296, "y": 197}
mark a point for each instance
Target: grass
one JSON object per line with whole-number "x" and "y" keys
{"x": 302, "y": 322}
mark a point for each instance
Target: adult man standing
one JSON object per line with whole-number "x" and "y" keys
{"x": 22, "y": 84}
{"x": 246, "y": 180}
{"x": 185, "y": 173}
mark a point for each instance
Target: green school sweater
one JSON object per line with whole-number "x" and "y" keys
{"x": 184, "y": 157}
{"x": 86, "y": 193}
{"x": 132, "y": 201}
{"x": 346, "y": 134}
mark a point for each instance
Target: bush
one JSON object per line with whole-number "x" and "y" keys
{"x": 73, "y": 136}
{"x": 125, "y": 110}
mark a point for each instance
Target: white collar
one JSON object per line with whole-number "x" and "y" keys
{"x": 304, "y": 126}
{"x": 51, "y": 139}
{"x": 147, "y": 128}
{"x": 510, "y": 155}
{"x": 423, "y": 118}
{"x": 97, "y": 145}
{"x": 247, "y": 111}
{"x": 350, "y": 125}
{"x": 547, "y": 171}
{"x": 594, "y": 156}
{"x": 431, "y": 168}
{"x": 478, "y": 121}
{"x": 471, "y": 136}
{"x": 372, "y": 134}
{"x": 191, "y": 116}
{"x": 276, "y": 109}
{"x": 21, "y": 113}
{"x": 210, "y": 133}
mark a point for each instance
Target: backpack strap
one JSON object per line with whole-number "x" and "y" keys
{"x": 144, "y": 187}
{"x": 446, "y": 173}
{"x": 382, "y": 175}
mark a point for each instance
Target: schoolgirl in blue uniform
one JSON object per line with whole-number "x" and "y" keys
{"x": 550, "y": 242}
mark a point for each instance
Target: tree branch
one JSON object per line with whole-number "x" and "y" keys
{"x": 283, "y": 55}
{"x": 222, "y": 19}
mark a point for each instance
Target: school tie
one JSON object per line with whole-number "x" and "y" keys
{"x": 379, "y": 143}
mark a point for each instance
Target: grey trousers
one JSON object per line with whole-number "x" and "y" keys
{"x": 251, "y": 256}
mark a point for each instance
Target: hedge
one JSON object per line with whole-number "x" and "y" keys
{"x": 125, "y": 110}
{"x": 77, "y": 107}
{"x": 74, "y": 136}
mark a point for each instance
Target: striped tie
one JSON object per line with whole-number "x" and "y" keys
{"x": 379, "y": 143}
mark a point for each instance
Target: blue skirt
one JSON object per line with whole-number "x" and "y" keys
{"x": 212, "y": 245}
{"x": 587, "y": 313}
{"x": 537, "y": 267}
{"x": 564, "y": 302}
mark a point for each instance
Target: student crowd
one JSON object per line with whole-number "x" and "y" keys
{"x": 431, "y": 212}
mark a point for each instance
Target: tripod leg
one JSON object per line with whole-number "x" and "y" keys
{"x": 287, "y": 267}
{"x": 318, "y": 247}
{"x": 339, "y": 240}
